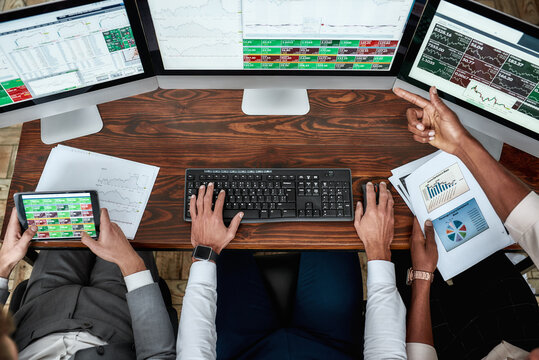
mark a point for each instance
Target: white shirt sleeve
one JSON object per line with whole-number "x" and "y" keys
{"x": 3, "y": 283}
{"x": 138, "y": 280}
{"x": 197, "y": 336}
{"x": 523, "y": 225}
{"x": 385, "y": 320}
{"x": 419, "y": 351}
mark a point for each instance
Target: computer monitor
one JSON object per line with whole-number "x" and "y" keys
{"x": 277, "y": 49}
{"x": 485, "y": 64}
{"x": 58, "y": 60}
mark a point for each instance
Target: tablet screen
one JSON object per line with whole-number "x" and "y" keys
{"x": 60, "y": 215}
{"x": 489, "y": 65}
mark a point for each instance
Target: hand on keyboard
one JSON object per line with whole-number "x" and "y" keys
{"x": 208, "y": 228}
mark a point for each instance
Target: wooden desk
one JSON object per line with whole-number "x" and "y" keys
{"x": 176, "y": 129}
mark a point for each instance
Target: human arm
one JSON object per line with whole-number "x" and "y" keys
{"x": 434, "y": 123}
{"x": 197, "y": 336}
{"x": 152, "y": 330}
{"x": 385, "y": 323}
{"x": 419, "y": 338}
{"x": 14, "y": 248}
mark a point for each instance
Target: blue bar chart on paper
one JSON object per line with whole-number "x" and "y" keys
{"x": 443, "y": 187}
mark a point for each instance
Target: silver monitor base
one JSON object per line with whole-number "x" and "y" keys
{"x": 494, "y": 146}
{"x": 275, "y": 102}
{"x": 71, "y": 125}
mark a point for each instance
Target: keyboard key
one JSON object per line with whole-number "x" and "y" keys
{"x": 288, "y": 185}
{"x": 248, "y": 214}
{"x": 329, "y": 212}
{"x": 283, "y": 206}
{"x": 275, "y": 214}
{"x": 289, "y": 213}
{"x": 264, "y": 214}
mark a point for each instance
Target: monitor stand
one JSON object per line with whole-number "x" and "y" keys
{"x": 275, "y": 102}
{"x": 492, "y": 145}
{"x": 71, "y": 125}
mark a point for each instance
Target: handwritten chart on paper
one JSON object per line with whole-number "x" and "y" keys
{"x": 123, "y": 186}
{"x": 443, "y": 187}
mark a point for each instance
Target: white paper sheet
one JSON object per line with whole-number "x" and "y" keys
{"x": 466, "y": 226}
{"x": 123, "y": 186}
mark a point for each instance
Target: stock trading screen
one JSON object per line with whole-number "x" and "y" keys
{"x": 279, "y": 34}
{"x": 65, "y": 50}
{"x": 485, "y": 69}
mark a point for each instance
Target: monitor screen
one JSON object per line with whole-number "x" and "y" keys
{"x": 267, "y": 35}
{"x": 482, "y": 61}
{"x": 58, "y": 50}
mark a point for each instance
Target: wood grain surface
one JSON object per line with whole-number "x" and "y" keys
{"x": 178, "y": 129}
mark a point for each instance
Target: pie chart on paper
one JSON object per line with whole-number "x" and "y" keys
{"x": 456, "y": 231}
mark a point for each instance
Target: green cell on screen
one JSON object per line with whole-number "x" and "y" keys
{"x": 270, "y": 42}
{"x": 251, "y": 42}
{"x": 251, "y": 65}
{"x": 43, "y": 228}
{"x": 346, "y": 58}
{"x": 270, "y": 50}
{"x": 76, "y": 220}
{"x": 328, "y": 51}
{"x": 62, "y": 207}
{"x": 4, "y": 97}
{"x": 85, "y": 200}
{"x": 36, "y": 202}
{"x": 330, "y": 43}
{"x": 349, "y": 43}
{"x": 54, "y": 227}
{"x": 74, "y": 207}
{"x": 28, "y": 209}
{"x": 309, "y": 43}
{"x": 29, "y": 216}
{"x": 65, "y": 227}
{"x": 362, "y": 66}
{"x": 91, "y": 233}
{"x": 252, "y": 50}
{"x": 50, "y": 208}
{"x": 64, "y": 214}
{"x": 269, "y": 65}
{"x": 308, "y": 58}
{"x": 382, "y": 59}
{"x": 89, "y": 226}
{"x": 49, "y": 201}
{"x": 61, "y": 201}
{"x": 53, "y": 221}
{"x": 288, "y": 66}
{"x": 55, "y": 234}
{"x": 71, "y": 200}
{"x": 290, "y": 42}
{"x": 67, "y": 233}
{"x": 325, "y": 66}
{"x": 12, "y": 83}
{"x": 306, "y": 66}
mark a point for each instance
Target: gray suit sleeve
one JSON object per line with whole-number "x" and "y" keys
{"x": 152, "y": 330}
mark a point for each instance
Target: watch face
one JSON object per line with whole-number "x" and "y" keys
{"x": 202, "y": 252}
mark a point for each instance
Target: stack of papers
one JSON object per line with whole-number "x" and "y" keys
{"x": 440, "y": 188}
{"x": 123, "y": 186}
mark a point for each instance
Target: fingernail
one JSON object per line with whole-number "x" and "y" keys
{"x": 222, "y": 191}
{"x": 434, "y": 90}
{"x": 431, "y": 138}
{"x": 33, "y": 228}
{"x": 369, "y": 183}
{"x": 383, "y": 182}
{"x": 241, "y": 215}
{"x": 431, "y": 133}
{"x": 420, "y": 127}
{"x": 193, "y": 196}
{"x": 202, "y": 186}
{"x": 428, "y": 223}
{"x": 210, "y": 184}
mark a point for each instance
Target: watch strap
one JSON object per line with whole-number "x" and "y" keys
{"x": 211, "y": 257}
{"x": 418, "y": 275}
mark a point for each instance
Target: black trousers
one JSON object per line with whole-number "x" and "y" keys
{"x": 486, "y": 304}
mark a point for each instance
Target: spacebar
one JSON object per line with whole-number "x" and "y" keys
{"x": 247, "y": 214}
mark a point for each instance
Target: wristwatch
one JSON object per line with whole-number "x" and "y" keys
{"x": 418, "y": 274}
{"x": 202, "y": 252}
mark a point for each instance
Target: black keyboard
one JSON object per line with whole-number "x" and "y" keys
{"x": 277, "y": 195}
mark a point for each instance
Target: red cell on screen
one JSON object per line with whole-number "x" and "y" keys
{"x": 86, "y": 206}
{"x": 43, "y": 235}
{"x": 19, "y": 93}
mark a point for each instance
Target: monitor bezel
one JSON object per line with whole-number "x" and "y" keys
{"x": 159, "y": 69}
{"x": 138, "y": 33}
{"x": 413, "y": 52}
